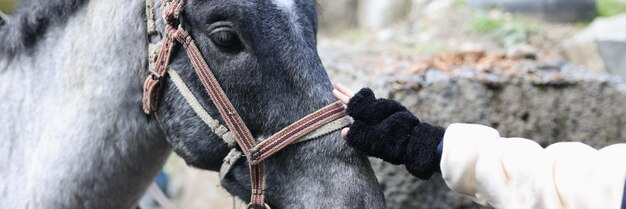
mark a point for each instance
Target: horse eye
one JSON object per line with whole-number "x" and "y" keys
{"x": 226, "y": 39}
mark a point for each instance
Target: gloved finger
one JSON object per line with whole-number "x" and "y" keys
{"x": 365, "y": 107}
{"x": 358, "y": 136}
{"x": 397, "y": 123}
{"x": 377, "y": 141}
{"x": 359, "y": 105}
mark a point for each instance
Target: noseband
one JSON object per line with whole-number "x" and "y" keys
{"x": 236, "y": 134}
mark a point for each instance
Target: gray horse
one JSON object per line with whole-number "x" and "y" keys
{"x": 73, "y": 134}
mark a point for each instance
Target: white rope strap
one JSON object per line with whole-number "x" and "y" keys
{"x": 217, "y": 128}
{"x": 326, "y": 129}
{"x": 3, "y": 18}
{"x": 223, "y": 132}
{"x": 151, "y": 26}
{"x": 230, "y": 160}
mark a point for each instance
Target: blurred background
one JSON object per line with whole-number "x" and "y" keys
{"x": 549, "y": 70}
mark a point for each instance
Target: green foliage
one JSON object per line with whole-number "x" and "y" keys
{"x": 486, "y": 24}
{"x": 605, "y": 8}
{"x": 355, "y": 35}
{"x": 431, "y": 47}
{"x": 610, "y": 7}
{"x": 7, "y": 6}
{"x": 459, "y": 3}
{"x": 509, "y": 30}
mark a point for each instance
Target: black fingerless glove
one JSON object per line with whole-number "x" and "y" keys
{"x": 385, "y": 129}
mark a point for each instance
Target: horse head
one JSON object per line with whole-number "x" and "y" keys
{"x": 263, "y": 53}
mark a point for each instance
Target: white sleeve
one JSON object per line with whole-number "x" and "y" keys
{"x": 518, "y": 173}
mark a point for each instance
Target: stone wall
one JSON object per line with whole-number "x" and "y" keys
{"x": 548, "y": 107}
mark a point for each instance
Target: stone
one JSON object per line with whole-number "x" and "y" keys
{"x": 402, "y": 190}
{"x": 601, "y": 46}
{"x": 613, "y": 54}
{"x": 548, "y": 106}
{"x": 552, "y": 10}
{"x": 379, "y": 14}
{"x": 521, "y": 51}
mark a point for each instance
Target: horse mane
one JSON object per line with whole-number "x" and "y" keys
{"x": 31, "y": 20}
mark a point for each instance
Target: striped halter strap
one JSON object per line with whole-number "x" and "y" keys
{"x": 236, "y": 134}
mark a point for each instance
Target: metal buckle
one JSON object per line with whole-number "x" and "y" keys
{"x": 154, "y": 75}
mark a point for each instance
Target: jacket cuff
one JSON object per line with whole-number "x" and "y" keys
{"x": 439, "y": 153}
{"x": 461, "y": 146}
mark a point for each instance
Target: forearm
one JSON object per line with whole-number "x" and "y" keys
{"x": 518, "y": 173}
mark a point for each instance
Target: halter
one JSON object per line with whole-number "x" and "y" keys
{"x": 3, "y": 18}
{"x": 236, "y": 134}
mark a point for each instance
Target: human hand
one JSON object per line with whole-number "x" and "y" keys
{"x": 378, "y": 126}
{"x": 364, "y": 107}
{"x": 385, "y": 129}
{"x": 344, "y": 95}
